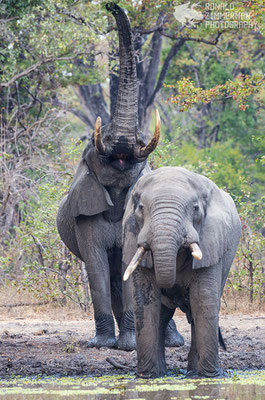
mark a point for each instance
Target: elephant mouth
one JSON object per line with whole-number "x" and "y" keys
{"x": 193, "y": 247}
{"x": 122, "y": 146}
{"x": 121, "y": 162}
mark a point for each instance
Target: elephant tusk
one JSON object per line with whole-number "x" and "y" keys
{"x": 195, "y": 251}
{"x": 146, "y": 150}
{"x": 134, "y": 263}
{"x": 101, "y": 148}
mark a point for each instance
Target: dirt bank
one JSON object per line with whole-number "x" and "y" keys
{"x": 30, "y": 345}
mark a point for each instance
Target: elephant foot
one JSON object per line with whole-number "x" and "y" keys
{"x": 102, "y": 341}
{"x": 192, "y": 375}
{"x": 196, "y": 375}
{"x": 126, "y": 341}
{"x": 173, "y": 338}
{"x": 151, "y": 374}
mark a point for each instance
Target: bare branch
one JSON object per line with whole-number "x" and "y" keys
{"x": 78, "y": 113}
{"x": 36, "y": 66}
{"x": 173, "y": 51}
{"x": 42, "y": 303}
{"x": 157, "y": 27}
{"x": 36, "y": 123}
{"x": 116, "y": 364}
{"x": 3, "y": 21}
{"x": 77, "y": 18}
{"x": 198, "y": 40}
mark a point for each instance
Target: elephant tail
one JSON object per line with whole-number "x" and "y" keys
{"x": 221, "y": 339}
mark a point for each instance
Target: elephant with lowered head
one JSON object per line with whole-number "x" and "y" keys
{"x": 181, "y": 233}
{"x": 90, "y": 217}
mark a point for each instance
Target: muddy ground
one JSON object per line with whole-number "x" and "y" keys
{"x": 29, "y": 345}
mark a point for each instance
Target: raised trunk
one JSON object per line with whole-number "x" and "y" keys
{"x": 125, "y": 119}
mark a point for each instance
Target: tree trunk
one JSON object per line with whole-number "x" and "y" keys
{"x": 251, "y": 273}
{"x": 149, "y": 80}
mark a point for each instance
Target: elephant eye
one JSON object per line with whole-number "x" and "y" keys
{"x": 141, "y": 207}
{"x": 139, "y": 215}
{"x": 197, "y": 216}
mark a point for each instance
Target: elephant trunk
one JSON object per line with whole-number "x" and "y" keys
{"x": 127, "y": 140}
{"x": 165, "y": 265}
{"x": 125, "y": 116}
{"x": 168, "y": 238}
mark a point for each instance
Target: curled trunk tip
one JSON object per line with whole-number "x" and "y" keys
{"x": 111, "y": 6}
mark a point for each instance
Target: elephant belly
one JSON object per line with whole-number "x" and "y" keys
{"x": 175, "y": 297}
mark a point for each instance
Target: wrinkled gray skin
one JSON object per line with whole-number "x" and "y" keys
{"x": 168, "y": 210}
{"x": 90, "y": 216}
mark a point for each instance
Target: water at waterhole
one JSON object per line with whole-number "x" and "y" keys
{"x": 247, "y": 385}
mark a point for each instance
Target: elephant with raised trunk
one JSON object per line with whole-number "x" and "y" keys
{"x": 181, "y": 233}
{"x": 90, "y": 217}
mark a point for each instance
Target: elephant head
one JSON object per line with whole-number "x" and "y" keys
{"x": 179, "y": 217}
{"x": 118, "y": 146}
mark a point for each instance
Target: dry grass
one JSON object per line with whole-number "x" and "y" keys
{"x": 51, "y": 311}
{"x": 231, "y": 304}
{"x": 238, "y": 302}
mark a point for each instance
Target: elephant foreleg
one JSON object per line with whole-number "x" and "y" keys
{"x": 99, "y": 282}
{"x": 205, "y": 294}
{"x": 126, "y": 339}
{"x": 149, "y": 342}
{"x": 97, "y": 266}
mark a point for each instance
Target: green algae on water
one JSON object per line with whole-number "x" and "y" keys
{"x": 243, "y": 385}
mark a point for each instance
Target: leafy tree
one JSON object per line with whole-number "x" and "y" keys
{"x": 59, "y": 71}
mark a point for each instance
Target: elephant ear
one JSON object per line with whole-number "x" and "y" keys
{"x": 144, "y": 171}
{"x": 216, "y": 234}
{"x": 86, "y": 195}
{"x": 129, "y": 231}
{"x": 129, "y": 224}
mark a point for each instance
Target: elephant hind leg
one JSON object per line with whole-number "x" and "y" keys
{"x": 221, "y": 339}
{"x": 173, "y": 337}
{"x": 167, "y": 325}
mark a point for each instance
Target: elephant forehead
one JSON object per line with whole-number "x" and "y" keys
{"x": 174, "y": 180}
{"x": 166, "y": 176}
{"x": 169, "y": 196}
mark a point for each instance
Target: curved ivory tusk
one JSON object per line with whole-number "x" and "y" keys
{"x": 146, "y": 150}
{"x": 101, "y": 148}
{"x": 134, "y": 263}
{"x": 195, "y": 251}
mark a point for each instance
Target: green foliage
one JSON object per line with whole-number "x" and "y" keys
{"x": 32, "y": 255}
{"x": 223, "y": 163}
{"x": 18, "y": 8}
{"x": 229, "y": 169}
{"x": 48, "y": 48}
{"x": 240, "y": 90}
{"x": 247, "y": 274}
